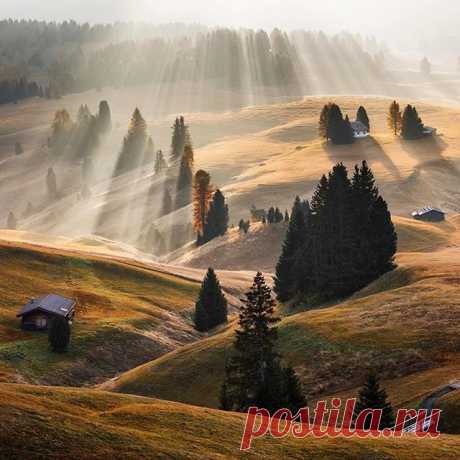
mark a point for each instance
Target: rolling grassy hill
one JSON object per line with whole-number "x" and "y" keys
{"x": 64, "y": 423}
{"x": 260, "y": 248}
{"x": 126, "y": 314}
{"x": 404, "y": 325}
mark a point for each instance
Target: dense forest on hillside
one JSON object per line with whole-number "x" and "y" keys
{"x": 69, "y": 57}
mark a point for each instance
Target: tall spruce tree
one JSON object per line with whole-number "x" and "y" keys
{"x": 211, "y": 306}
{"x": 362, "y": 116}
{"x": 185, "y": 179}
{"x": 217, "y": 218}
{"x": 394, "y": 118}
{"x": 371, "y": 396}
{"x": 324, "y": 122}
{"x": 286, "y": 276}
{"x": 132, "y": 152}
{"x": 180, "y": 138}
{"x": 254, "y": 375}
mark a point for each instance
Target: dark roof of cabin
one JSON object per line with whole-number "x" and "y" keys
{"x": 51, "y": 303}
{"x": 428, "y": 210}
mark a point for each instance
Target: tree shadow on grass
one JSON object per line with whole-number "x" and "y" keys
{"x": 367, "y": 149}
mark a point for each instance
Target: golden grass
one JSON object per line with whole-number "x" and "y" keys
{"x": 51, "y": 422}
{"x": 125, "y": 315}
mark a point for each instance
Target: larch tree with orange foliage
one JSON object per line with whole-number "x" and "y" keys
{"x": 202, "y": 194}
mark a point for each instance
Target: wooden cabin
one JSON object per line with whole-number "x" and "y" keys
{"x": 38, "y": 313}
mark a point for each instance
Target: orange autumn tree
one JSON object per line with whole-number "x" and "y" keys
{"x": 202, "y": 194}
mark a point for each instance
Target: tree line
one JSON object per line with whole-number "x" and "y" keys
{"x": 340, "y": 242}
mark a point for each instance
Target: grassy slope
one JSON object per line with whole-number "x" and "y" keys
{"x": 49, "y": 422}
{"x": 405, "y": 324}
{"x": 450, "y": 419}
{"x": 125, "y": 315}
{"x": 260, "y": 248}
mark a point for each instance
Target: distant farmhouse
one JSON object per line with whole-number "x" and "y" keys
{"x": 359, "y": 129}
{"x": 429, "y": 214}
{"x": 258, "y": 215}
{"x": 38, "y": 313}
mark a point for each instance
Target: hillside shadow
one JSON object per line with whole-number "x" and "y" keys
{"x": 367, "y": 149}
{"x": 425, "y": 150}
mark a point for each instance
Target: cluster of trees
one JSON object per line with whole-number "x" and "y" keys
{"x": 17, "y": 89}
{"x": 333, "y": 126}
{"x": 79, "y": 139}
{"x": 254, "y": 375}
{"x": 210, "y": 212}
{"x": 274, "y": 216}
{"x": 408, "y": 124}
{"x": 340, "y": 242}
{"x": 211, "y": 305}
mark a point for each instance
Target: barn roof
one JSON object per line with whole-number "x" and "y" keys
{"x": 52, "y": 303}
{"x": 427, "y": 210}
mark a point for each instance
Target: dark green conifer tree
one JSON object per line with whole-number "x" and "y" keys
{"x": 59, "y": 334}
{"x": 211, "y": 306}
{"x": 361, "y": 116}
{"x": 254, "y": 375}
{"x": 371, "y": 396}
{"x": 185, "y": 179}
{"x": 286, "y": 275}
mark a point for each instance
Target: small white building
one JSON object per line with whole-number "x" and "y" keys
{"x": 359, "y": 130}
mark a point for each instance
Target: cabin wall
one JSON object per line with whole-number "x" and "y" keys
{"x": 35, "y": 322}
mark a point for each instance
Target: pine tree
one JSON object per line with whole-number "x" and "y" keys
{"x": 217, "y": 218}
{"x": 160, "y": 163}
{"x": 180, "y": 138}
{"x": 286, "y": 216}
{"x": 185, "y": 179}
{"x": 371, "y": 396}
{"x": 254, "y": 375}
{"x": 202, "y": 193}
{"x": 51, "y": 184}
{"x": 134, "y": 143}
{"x": 294, "y": 391}
{"x": 394, "y": 118}
{"x": 324, "y": 122}
{"x": 59, "y": 334}
{"x": 361, "y": 116}
{"x": 11, "y": 222}
{"x": 18, "y": 150}
{"x": 285, "y": 279}
{"x": 211, "y": 306}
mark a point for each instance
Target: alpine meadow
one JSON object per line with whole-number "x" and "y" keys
{"x": 229, "y": 230}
